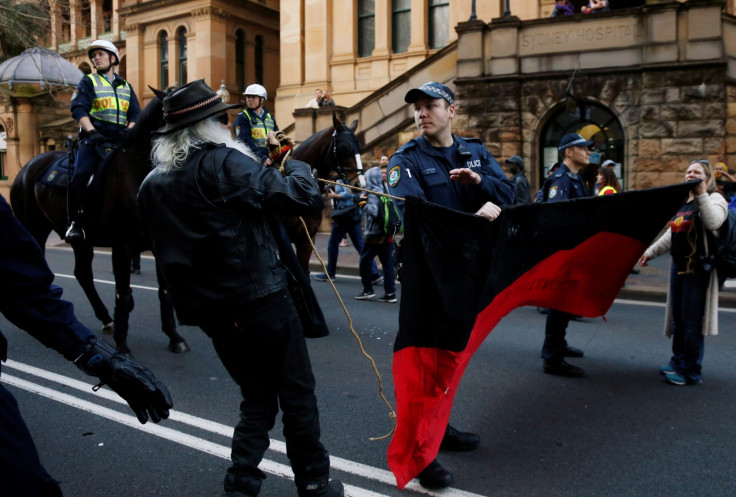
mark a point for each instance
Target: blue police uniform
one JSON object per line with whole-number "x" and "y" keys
{"x": 96, "y": 104}
{"x": 244, "y": 125}
{"x": 562, "y": 185}
{"x": 421, "y": 170}
{"x": 29, "y": 300}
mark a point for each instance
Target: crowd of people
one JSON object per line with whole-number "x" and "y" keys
{"x": 211, "y": 194}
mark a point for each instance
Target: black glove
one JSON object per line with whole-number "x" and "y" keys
{"x": 133, "y": 382}
{"x": 95, "y": 138}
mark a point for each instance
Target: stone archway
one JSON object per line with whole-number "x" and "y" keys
{"x": 592, "y": 120}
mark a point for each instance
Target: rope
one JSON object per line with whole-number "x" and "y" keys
{"x": 381, "y": 194}
{"x": 392, "y": 413}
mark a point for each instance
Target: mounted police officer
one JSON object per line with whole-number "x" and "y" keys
{"x": 254, "y": 123}
{"x": 565, "y": 184}
{"x": 458, "y": 173}
{"x": 105, "y": 105}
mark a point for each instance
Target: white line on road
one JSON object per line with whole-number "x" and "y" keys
{"x": 337, "y": 463}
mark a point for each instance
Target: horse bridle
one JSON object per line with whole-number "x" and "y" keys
{"x": 341, "y": 170}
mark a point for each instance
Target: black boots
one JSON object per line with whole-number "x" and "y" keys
{"x": 459, "y": 441}
{"x": 319, "y": 487}
{"x": 435, "y": 477}
{"x": 241, "y": 486}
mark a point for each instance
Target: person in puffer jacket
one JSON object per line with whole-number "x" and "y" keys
{"x": 377, "y": 242}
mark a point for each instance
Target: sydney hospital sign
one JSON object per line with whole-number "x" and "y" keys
{"x": 613, "y": 32}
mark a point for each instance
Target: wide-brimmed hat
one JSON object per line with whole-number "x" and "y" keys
{"x": 189, "y": 104}
{"x": 431, "y": 90}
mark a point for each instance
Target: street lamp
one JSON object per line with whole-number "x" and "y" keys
{"x": 507, "y": 12}
{"x": 223, "y": 93}
{"x": 473, "y": 17}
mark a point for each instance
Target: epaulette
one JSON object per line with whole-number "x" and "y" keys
{"x": 407, "y": 146}
{"x": 472, "y": 139}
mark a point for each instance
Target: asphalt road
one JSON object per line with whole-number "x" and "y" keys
{"x": 619, "y": 431}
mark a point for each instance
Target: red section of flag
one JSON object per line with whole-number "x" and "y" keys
{"x": 583, "y": 280}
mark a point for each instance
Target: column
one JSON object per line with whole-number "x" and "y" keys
{"x": 97, "y": 20}
{"x": 418, "y": 26}
{"x": 292, "y": 43}
{"x": 317, "y": 51}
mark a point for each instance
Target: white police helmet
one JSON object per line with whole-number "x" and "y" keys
{"x": 104, "y": 45}
{"x": 256, "y": 90}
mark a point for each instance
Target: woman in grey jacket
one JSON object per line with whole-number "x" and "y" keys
{"x": 692, "y": 300}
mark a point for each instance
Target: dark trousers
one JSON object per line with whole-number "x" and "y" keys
{"x": 355, "y": 232}
{"x": 265, "y": 352}
{"x": 687, "y": 296}
{"x": 84, "y": 167}
{"x": 21, "y": 472}
{"x": 384, "y": 251}
{"x": 555, "y": 330}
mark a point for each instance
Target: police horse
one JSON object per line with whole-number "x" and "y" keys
{"x": 335, "y": 154}
{"x": 39, "y": 199}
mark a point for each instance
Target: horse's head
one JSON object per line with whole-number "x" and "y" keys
{"x": 150, "y": 119}
{"x": 346, "y": 151}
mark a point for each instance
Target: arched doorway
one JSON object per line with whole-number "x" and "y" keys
{"x": 594, "y": 122}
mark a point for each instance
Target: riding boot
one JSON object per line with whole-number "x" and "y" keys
{"x": 241, "y": 486}
{"x": 75, "y": 213}
{"x": 314, "y": 481}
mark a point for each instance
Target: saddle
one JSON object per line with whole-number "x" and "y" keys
{"x": 60, "y": 171}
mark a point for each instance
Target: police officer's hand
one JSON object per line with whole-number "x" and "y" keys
{"x": 146, "y": 395}
{"x": 489, "y": 211}
{"x": 95, "y": 138}
{"x": 465, "y": 176}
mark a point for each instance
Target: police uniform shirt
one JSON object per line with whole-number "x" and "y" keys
{"x": 564, "y": 185}
{"x": 84, "y": 96}
{"x": 421, "y": 170}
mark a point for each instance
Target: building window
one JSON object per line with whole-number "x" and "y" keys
{"x": 400, "y": 25}
{"x": 163, "y": 57}
{"x": 107, "y": 15}
{"x": 366, "y": 27}
{"x": 181, "y": 42}
{"x": 259, "y": 60}
{"x": 240, "y": 60}
{"x": 439, "y": 23}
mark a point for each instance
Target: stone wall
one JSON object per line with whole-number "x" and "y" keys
{"x": 669, "y": 117}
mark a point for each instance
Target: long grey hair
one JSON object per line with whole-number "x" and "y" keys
{"x": 171, "y": 150}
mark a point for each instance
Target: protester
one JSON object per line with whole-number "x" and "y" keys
{"x": 30, "y": 300}
{"x": 692, "y": 300}
{"x": 377, "y": 242}
{"x": 344, "y": 199}
{"x": 606, "y": 182}
{"x": 105, "y": 105}
{"x": 254, "y": 123}
{"x": 565, "y": 184}
{"x": 596, "y": 6}
{"x": 209, "y": 208}
{"x": 515, "y": 165}
{"x": 725, "y": 181}
{"x": 458, "y": 173}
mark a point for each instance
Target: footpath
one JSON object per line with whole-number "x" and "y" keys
{"x": 650, "y": 284}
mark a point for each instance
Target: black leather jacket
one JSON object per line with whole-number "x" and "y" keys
{"x": 207, "y": 221}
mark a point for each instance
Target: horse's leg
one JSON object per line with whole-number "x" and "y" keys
{"x": 83, "y": 254}
{"x": 123, "y": 295}
{"x": 168, "y": 321}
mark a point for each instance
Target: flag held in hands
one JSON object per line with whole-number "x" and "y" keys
{"x": 462, "y": 274}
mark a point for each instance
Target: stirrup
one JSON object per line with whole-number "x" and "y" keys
{"x": 74, "y": 233}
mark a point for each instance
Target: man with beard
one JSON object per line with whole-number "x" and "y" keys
{"x": 207, "y": 207}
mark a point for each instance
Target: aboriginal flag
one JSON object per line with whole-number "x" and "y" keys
{"x": 462, "y": 274}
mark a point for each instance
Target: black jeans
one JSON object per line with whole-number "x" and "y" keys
{"x": 688, "y": 294}
{"x": 265, "y": 352}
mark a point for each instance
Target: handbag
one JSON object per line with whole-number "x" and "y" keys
{"x": 347, "y": 216}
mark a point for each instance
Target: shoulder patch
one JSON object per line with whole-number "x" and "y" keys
{"x": 552, "y": 192}
{"x": 74, "y": 95}
{"x": 394, "y": 175}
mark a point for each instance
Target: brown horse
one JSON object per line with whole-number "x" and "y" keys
{"x": 335, "y": 154}
{"x": 113, "y": 220}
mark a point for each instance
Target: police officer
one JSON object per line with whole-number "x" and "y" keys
{"x": 30, "y": 300}
{"x": 105, "y": 105}
{"x": 565, "y": 184}
{"x": 454, "y": 172}
{"x": 254, "y": 123}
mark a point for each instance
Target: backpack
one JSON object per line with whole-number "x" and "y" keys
{"x": 725, "y": 247}
{"x": 389, "y": 219}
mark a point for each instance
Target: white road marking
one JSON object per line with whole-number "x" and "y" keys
{"x": 337, "y": 463}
